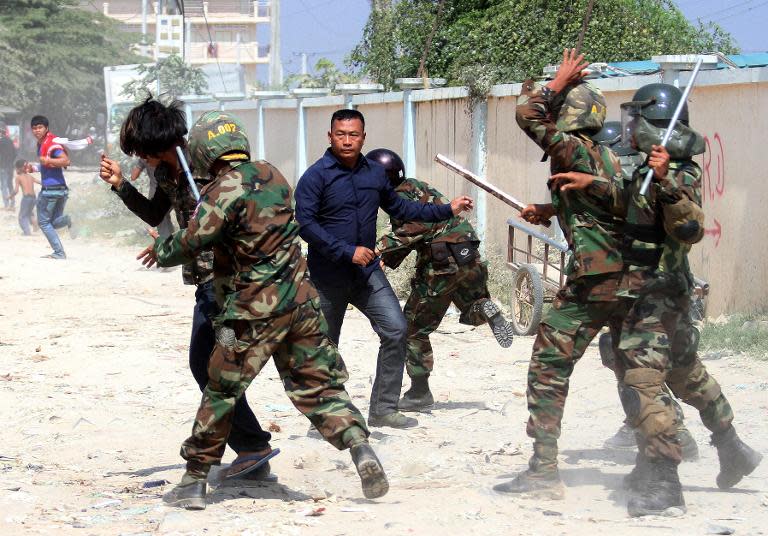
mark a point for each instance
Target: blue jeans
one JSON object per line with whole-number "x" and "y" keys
{"x": 26, "y": 207}
{"x": 377, "y": 301}
{"x": 246, "y": 434}
{"x": 50, "y": 216}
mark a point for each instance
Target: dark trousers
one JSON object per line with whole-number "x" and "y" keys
{"x": 26, "y": 208}
{"x": 377, "y": 301}
{"x": 246, "y": 434}
{"x": 6, "y": 186}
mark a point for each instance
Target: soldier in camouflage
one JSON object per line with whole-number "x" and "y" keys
{"x": 448, "y": 270}
{"x": 269, "y": 308}
{"x": 659, "y": 231}
{"x": 153, "y": 130}
{"x": 668, "y": 221}
{"x": 560, "y": 117}
{"x": 610, "y": 136}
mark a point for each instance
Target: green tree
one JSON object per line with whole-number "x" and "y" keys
{"x": 326, "y": 75}
{"x": 53, "y": 55}
{"x": 480, "y": 42}
{"x": 175, "y": 77}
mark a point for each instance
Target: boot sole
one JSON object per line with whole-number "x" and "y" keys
{"x": 670, "y": 511}
{"x": 373, "y": 479}
{"x": 501, "y": 329}
{"x": 195, "y": 503}
{"x": 725, "y": 484}
{"x": 555, "y": 493}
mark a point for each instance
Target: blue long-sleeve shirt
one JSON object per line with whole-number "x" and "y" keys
{"x": 336, "y": 208}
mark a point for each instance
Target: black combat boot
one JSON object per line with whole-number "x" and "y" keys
{"x": 189, "y": 494}
{"x": 501, "y": 329}
{"x": 541, "y": 479}
{"x": 372, "y": 476}
{"x": 737, "y": 459}
{"x": 636, "y": 479}
{"x": 659, "y": 492}
{"x": 418, "y": 397}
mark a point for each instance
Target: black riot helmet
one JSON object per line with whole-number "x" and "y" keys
{"x": 610, "y": 136}
{"x": 391, "y": 162}
{"x": 657, "y": 102}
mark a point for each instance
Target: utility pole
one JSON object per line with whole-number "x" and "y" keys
{"x": 275, "y": 63}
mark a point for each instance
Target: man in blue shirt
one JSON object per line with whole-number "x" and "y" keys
{"x": 337, "y": 201}
{"x": 54, "y": 193}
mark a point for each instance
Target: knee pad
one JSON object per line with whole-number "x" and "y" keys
{"x": 647, "y": 406}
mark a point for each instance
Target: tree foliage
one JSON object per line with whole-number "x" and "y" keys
{"x": 326, "y": 75}
{"x": 170, "y": 76}
{"x": 53, "y": 55}
{"x": 494, "y": 41}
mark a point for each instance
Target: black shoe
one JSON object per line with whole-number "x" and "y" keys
{"x": 541, "y": 484}
{"x": 660, "y": 494}
{"x": 190, "y": 496}
{"x": 372, "y": 476}
{"x": 393, "y": 420}
{"x": 501, "y": 329}
{"x": 737, "y": 459}
{"x": 418, "y": 397}
{"x": 623, "y": 439}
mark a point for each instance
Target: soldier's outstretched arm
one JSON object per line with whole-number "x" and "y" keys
{"x": 204, "y": 229}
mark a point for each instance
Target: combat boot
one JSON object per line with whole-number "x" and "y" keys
{"x": 372, "y": 476}
{"x": 541, "y": 479}
{"x": 623, "y": 439}
{"x": 636, "y": 479}
{"x": 688, "y": 444}
{"x": 501, "y": 329}
{"x": 737, "y": 459}
{"x": 418, "y": 397}
{"x": 189, "y": 494}
{"x": 660, "y": 492}
{"x": 392, "y": 420}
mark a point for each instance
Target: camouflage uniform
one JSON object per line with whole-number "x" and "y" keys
{"x": 595, "y": 273}
{"x": 438, "y": 280}
{"x": 663, "y": 305}
{"x": 268, "y": 307}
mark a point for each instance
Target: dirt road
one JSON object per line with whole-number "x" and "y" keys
{"x": 96, "y": 397}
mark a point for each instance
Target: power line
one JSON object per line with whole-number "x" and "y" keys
{"x": 218, "y": 63}
{"x": 318, "y": 21}
{"x": 292, "y": 13}
{"x": 726, "y": 9}
{"x": 742, "y": 12}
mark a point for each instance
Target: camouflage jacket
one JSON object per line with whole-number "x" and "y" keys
{"x": 245, "y": 214}
{"x": 653, "y": 223}
{"x": 407, "y": 236}
{"x": 172, "y": 192}
{"x": 589, "y": 218}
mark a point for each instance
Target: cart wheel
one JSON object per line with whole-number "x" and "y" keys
{"x": 527, "y": 300}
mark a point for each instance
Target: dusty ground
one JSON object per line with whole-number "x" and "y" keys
{"x": 95, "y": 397}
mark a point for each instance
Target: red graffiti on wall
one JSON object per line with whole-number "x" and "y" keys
{"x": 713, "y": 179}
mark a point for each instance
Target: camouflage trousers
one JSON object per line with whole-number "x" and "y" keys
{"x": 310, "y": 367}
{"x": 666, "y": 318}
{"x": 431, "y": 295}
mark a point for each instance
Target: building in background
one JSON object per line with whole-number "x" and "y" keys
{"x": 209, "y": 33}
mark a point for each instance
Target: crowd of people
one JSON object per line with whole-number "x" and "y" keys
{"x": 258, "y": 296}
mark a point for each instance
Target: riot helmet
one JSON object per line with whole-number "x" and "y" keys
{"x": 392, "y": 163}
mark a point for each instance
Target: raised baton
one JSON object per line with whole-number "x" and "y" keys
{"x": 480, "y": 183}
{"x": 188, "y": 173}
{"x": 671, "y": 127}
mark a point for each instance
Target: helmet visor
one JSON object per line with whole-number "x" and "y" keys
{"x": 630, "y": 114}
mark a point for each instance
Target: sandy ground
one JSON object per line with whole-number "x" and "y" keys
{"x": 96, "y": 397}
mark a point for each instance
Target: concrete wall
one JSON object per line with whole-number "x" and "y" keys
{"x": 726, "y": 106}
